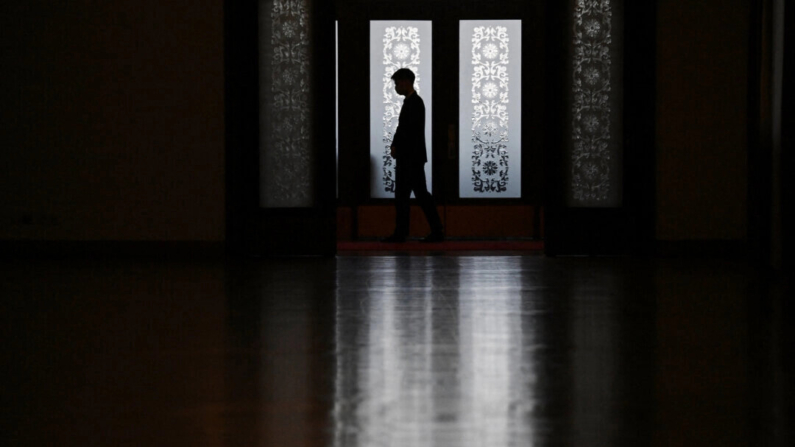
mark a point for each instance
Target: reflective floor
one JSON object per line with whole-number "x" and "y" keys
{"x": 395, "y": 351}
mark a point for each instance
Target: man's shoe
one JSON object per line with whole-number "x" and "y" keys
{"x": 394, "y": 239}
{"x": 433, "y": 237}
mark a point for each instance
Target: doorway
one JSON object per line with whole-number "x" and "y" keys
{"x": 366, "y": 214}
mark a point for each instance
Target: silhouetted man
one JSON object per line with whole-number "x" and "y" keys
{"x": 408, "y": 149}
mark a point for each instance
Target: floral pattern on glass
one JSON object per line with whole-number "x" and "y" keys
{"x": 290, "y": 161}
{"x": 401, "y": 50}
{"x": 590, "y": 168}
{"x": 490, "y": 115}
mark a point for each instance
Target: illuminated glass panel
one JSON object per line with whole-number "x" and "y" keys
{"x": 395, "y": 45}
{"x": 490, "y": 92}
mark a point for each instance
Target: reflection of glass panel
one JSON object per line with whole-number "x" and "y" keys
{"x": 494, "y": 372}
{"x": 286, "y": 159}
{"x": 490, "y": 92}
{"x": 423, "y": 368}
{"x": 594, "y": 167}
{"x": 594, "y": 358}
{"x": 384, "y": 387}
{"x": 394, "y": 45}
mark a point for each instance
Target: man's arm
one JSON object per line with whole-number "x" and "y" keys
{"x": 400, "y": 132}
{"x": 417, "y": 121}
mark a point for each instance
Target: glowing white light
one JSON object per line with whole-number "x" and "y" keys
{"x": 395, "y": 45}
{"x": 490, "y": 108}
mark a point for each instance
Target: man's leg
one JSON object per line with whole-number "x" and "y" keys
{"x": 425, "y": 199}
{"x": 402, "y": 196}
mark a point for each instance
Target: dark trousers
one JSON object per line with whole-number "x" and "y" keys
{"x": 408, "y": 178}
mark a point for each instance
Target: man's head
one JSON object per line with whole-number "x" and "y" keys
{"x": 404, "y": 81}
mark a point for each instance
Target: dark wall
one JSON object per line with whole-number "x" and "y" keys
{"x": 112, "y": 124}
{"x": 702, "y": 112}
{"x": 787, "y": 166}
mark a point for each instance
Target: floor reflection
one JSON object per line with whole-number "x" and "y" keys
{"x": 396, "y": 351}
{"x": 385, "y": 348}
{"x": 400, "y": 370}
{"x": 280, "y": 342}
{"x": 434, "y": 351}
{"x": 496, "y": 351}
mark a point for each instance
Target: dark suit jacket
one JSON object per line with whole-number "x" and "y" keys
{"x": 409, "y": 140}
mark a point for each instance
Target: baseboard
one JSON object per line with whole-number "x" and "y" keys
{"x": 703, "y": 248}
{"x": 103, "y": 249}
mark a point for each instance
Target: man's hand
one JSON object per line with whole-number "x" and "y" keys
{"x": 392, "y": 151}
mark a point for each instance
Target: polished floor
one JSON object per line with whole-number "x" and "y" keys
{"x": 395, "y": 351}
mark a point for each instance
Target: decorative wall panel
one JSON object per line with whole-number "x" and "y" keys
{"x": 287, "y": 174}
{"x": 594, "y": 162}
{"x": 490, "y": 107}
{"x": 395, "y": 45}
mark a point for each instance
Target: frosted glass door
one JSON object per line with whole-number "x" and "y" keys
{"x": 395, "y": 45}
{"x": 490, "y": 92}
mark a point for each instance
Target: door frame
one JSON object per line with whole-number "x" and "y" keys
{"x": 354, "y": 20}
